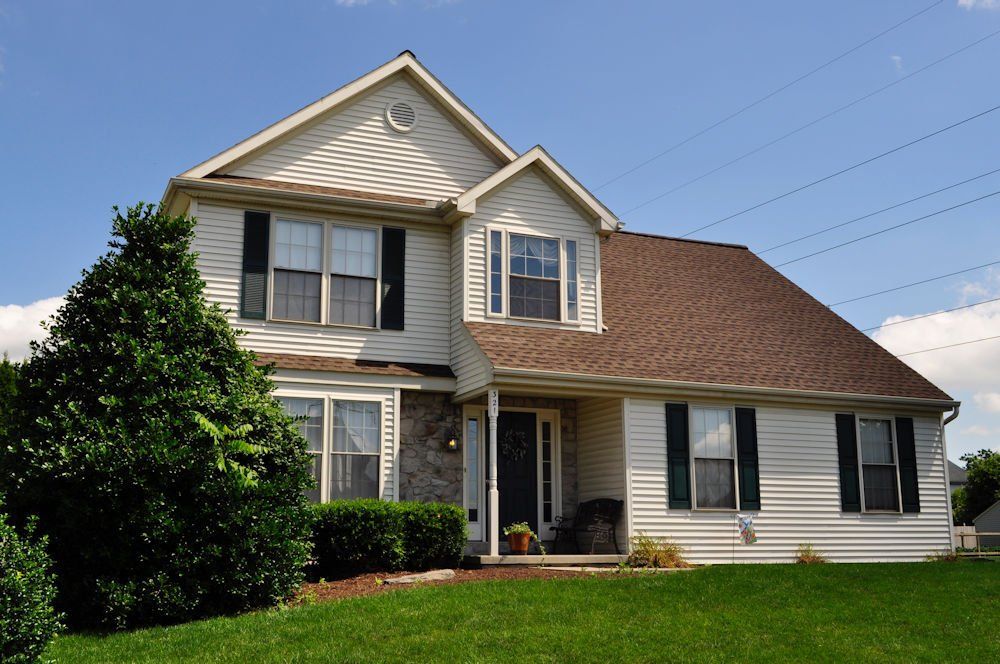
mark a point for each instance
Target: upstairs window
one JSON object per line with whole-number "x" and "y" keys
{"x": 879, "y": 470}
{"x": 352, "y": 276}
{"x": 572, "y": 279}
{"x": 496, "y": 272}
{"x": 534, "y": 277}
{"x": 298, "y": 271}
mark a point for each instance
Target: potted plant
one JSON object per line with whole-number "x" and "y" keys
{"x": 519, "y": 536}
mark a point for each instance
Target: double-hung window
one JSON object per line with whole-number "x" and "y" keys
{"x": 354, "y": 455}
{"x": 348, "y": 276}
{"x": 352, "y": 276}
{"x": 879, "y": 468}
{"x": 346, "y": 455}
{"x": 714, "y": 455}
{"x": 298, "y": 271}
{"x": 532, "y": 277}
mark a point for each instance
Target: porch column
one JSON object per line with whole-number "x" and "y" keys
{"x": 493, "y": 399}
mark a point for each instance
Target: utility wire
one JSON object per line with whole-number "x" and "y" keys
{"x": 886, "y": 230}
{"x": 843, "y": 170}
{"x": 766, "y": 97}
{"x": 808, "y": 124}
{"x": 914, "y": 283}
{"x": 935, "y": 313}
{"x": 872, "y": 214}
{"x": 961, "y": 343}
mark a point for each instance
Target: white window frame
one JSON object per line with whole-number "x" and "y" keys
{"x": 505, "y": 234}
{"x": 564, "y": 277}
{"x": 861, "y": 462}
{"x": 324, "y": 304}
{"x": 691, "y": 457}
{"x": 328, "y": 399}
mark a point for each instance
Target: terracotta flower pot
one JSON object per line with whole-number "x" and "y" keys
{"x": 519, "y": 543}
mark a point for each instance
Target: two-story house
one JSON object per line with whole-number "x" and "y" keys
{"x": 458, "y": 322}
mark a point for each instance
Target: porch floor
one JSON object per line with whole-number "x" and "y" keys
{"x": 555, "y": 559}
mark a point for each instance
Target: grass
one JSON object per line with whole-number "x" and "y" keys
{"x": 912, "y": 612}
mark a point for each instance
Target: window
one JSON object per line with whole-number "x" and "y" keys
{"x": 572, "y": 299}
{"x": 472, "y": 466}
{"x": 308, "y": 414}
{"x": 298, "y": 271}
{"x": 547, "y": 472}
{"x": 355, "y": 451}
{"x": 496, "y": 272}
{"x": 352, "y": 276}
{"x": 714, "y": 454}
{"x": 534, "y": 277}
{"x": 879, "y": 474}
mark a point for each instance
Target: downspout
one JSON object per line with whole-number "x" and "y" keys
{"x": 947, "y": 478}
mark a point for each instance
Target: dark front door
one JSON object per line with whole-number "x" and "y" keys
{"x": 517, "y": 481}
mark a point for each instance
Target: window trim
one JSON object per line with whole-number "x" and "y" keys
{"x": 325, "y": 273}
{"x": 691, "y": 458}
{"x": 328, "y": 399}
{"x": 505, "y": 276}
{"x": 858, "y": 416}
{"x": 565, "y": 279}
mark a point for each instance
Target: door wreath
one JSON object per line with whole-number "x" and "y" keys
{"x": 514, "y": 445}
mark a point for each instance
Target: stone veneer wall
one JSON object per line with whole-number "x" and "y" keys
{"x": 428, "y": 472}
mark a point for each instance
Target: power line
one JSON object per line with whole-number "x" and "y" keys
{"x": 816, "y": 121}
{"x": 766, "y": 97}
{"x": 914, "y": 283}
{"x": 961, "y": 343}
{"x": 843, "y": 170}
{"x": 886, "y": 230}
{"x": 872, "y": 214}
{"x": 935, "y": 313}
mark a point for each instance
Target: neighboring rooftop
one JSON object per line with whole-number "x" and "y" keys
{"x": 705, "y": 312}
{"x": 345, "y": 365}
{"x": 957, "y": 474}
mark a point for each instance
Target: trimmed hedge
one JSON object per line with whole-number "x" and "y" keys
{"x": 380, "y": 536}
{"x": 27, "y": 589}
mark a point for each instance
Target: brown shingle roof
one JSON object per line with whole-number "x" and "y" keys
{"x": 707, "y": 313}
{"x": 316, "y": 363}
{"x": 317, "y": 189}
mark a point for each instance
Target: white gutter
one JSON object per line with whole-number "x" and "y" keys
{"x": 954, "y": 414}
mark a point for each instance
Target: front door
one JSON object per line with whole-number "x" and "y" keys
{"x": 517, "y": 469}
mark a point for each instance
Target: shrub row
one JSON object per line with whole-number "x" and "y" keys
{"x": 374, "y": 535}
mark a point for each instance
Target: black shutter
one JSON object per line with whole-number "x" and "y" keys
{"x": 678, "y": 464}
{"x": 847, "y": 451}
{"x": 907, "y": 464}
{"x": 393, "y": 279}
{"x": 746, "y": 447}
{"x": 253, "y": 294}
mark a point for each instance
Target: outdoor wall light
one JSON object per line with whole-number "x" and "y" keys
{"x": 453, "y": 444}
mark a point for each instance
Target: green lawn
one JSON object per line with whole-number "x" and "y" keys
{"x": 920, "y": 611}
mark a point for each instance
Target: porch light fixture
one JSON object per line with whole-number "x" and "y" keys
{"x": 452, "y": 442}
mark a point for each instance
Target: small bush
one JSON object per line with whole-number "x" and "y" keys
{"x": 374, "y": 535}
{"x": 808, "y": 555}
{"x": 649, "y": 551}
{"x": 943, "y": 556}
{"x": 27, "y": 620}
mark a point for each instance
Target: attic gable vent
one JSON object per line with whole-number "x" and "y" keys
{"x": 401, "y": 116}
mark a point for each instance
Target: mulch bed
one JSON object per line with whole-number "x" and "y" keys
{"x": 367, "y": 584}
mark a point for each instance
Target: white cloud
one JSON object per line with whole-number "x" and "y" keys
{"x": 988, "y": 401}
{"x": 352, "y": 3}
{"x": 22, "y": 324}
{"x": 897, "y": 60}
{"x": 979, "y": 4}
{"x": 979, "y": 431}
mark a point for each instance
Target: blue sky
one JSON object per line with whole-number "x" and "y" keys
{"x": 100, "y": 103}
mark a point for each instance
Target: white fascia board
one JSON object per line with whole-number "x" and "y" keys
{"x": 619, "y": 384}
{"x": 404, "y": 61}
{"x": 465, "y": 203}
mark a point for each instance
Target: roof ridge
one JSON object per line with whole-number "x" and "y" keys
{"x": 731, "y": 245}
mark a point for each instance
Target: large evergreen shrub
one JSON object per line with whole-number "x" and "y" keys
{"x": 27, "y": 620}
{"x": 166, "y": 477}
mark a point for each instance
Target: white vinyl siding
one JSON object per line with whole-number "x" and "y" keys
{"x": 600, "y": 454}
{"x": 800, "y": 494}
{"x": 329, "y": 395}
{"x": 468, "y": 362}
{"x": 426, "y": 339}
{"x": 354, "y": 148}
{"x": 530, "y": 204}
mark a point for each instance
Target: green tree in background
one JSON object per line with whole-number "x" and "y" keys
{"x": 167, "y": 479}
{"x": 982, "y": 487}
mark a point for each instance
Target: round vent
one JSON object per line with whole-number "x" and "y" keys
{"x": 401, "y": 116}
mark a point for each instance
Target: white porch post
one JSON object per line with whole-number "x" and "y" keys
{"x": 494, "y": 493}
